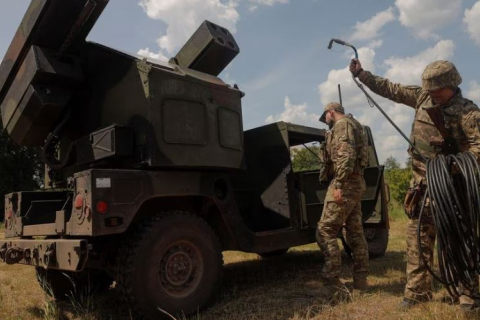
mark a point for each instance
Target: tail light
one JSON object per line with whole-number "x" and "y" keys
{"x": 101, "y": 207}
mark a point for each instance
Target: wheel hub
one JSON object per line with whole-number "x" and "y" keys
{"x": 181, "y": 269}
{"x": 369, "y": 233}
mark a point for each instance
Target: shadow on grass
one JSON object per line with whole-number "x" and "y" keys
{"x": 271, "y": 284}
{"x": 277, "y": 287}
{"x": 40, "y": 313}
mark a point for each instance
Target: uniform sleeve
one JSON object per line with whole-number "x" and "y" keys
{"x": 396, "y": 92}
{"x": 346, "y": 152}
{"x": 471, "y": 128}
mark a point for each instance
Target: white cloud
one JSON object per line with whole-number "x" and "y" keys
{"x": 409, "y": 70}
{"x": 255, "y": 3}
{"x": 351, "y": 95}
{"x": 473, "y": 92}
{"x": 148, "y": 54}
{"x": 183, "y": 17}
{"x": 472, "y": 22}
{"x": 370, "y": 29}
{"x": 296, "y": 114}
{"x": 375, "y": 44}
{"x": 425, "y": 17}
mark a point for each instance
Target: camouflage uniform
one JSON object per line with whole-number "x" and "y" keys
{"x": 462, "y": 123}
{"x": 345, "y": 156}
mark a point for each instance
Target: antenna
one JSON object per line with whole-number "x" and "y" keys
{"x": 340, "y": 94}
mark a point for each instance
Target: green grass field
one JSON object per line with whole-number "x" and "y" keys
{"x": 278, "y": 288}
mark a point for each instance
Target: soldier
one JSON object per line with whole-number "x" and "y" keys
{"x": 440, "y": 82}
{"x": 344, "y": 156}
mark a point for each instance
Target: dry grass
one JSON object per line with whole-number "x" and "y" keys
{"x": 277, "y": 288}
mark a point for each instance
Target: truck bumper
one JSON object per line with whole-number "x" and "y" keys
{"x": 62, "y": 254}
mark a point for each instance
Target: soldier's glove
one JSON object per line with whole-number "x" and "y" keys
{"x": 412, "y": 198}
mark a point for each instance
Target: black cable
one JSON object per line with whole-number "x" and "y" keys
{"x": 454, "y": 202}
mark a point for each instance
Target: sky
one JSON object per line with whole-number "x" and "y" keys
{"x": 284, "y": 66}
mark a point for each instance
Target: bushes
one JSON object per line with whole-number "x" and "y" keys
{"x": 20, "y": 168}
{"x": 398, "y": 179}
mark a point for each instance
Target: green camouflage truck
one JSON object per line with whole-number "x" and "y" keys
{"x": 149, "y": 173}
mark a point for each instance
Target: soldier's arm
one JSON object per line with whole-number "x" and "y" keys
{"x": 346, "y": 152}
{"x": 407, "y": 95}
{"x": 471, "y": 128}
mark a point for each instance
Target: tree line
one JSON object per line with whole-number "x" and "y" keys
{"x": 21, "y": 168}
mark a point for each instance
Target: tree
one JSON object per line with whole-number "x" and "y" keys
{"x": 305, "y": 159}
{"x": 398, "y": 179}
{"x": 391, "y": 163}
{"x": 20, "y": 168}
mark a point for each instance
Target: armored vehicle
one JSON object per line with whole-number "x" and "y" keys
{"x": 149, "y": 173}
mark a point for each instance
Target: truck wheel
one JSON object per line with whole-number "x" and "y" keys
{"x": 275, "y": 253}
{"x": 172, "y": 263}
{"x": 377, "y": 240}
{"x": 63, "y": 285}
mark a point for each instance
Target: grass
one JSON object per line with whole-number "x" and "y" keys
{"x": 277, "y": 288}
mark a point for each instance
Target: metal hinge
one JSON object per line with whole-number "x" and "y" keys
{"x": 144, "y": 69}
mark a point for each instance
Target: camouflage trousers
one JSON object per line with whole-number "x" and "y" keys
{"x": 419, "y": 280}
{"x": 334, "y": 216}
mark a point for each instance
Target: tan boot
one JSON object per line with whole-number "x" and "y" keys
{"x": 330, "y": 288}
{"x": 361, "y": 284}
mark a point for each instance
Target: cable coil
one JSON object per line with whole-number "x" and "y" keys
{"x": 455, "y": 208}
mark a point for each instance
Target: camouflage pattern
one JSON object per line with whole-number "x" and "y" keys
{"x": 344, "y": 141}
{"x": 334, "y": 216}
{"x": 461, "y": 118}
{"x": 440, "y": 74}
{"x": 419, "y": 281}
{"x": 461, "y": 122}
{"x": 346, "y": 149}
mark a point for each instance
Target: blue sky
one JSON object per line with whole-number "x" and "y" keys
{"x": 284, "y": 66}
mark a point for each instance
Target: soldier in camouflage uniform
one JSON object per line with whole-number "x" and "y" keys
{"x": 440, "y": 82}
{"x": 343, "y": 155}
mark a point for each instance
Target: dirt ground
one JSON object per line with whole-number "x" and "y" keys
{"x": 253, "y": 288}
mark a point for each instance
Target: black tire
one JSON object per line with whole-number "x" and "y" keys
{"x": 171, "y": 262}
{"x": 377, "y": 240}
{"x": 275, "y": 253}
{"x": 64, "y": 285}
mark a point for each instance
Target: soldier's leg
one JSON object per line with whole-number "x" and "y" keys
{"x": 330, "y": 223}
{"x": 357, "y": 242}
{"x": 327, "y": 230}
{"x": 419, "y": 280}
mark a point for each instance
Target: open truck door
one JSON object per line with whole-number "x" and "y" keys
{"x": 374, "y": 201}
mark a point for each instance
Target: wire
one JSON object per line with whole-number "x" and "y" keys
{"x": 455, "y": 209}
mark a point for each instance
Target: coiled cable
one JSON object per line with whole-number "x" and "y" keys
{"x": 455, "y": 209}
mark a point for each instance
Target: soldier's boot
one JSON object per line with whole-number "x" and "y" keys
{"x": 407, "y": 304}
{"x": 469, "y": 305}
{"x": 361, "y": 284}
{"x": 330, "y": 288}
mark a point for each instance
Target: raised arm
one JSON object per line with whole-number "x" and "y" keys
{"x": 407, "y": 95}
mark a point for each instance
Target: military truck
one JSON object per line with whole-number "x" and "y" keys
{"x": 149, "y": 173}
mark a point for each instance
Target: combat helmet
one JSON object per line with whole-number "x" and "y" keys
{"x": 440, "y": 74}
